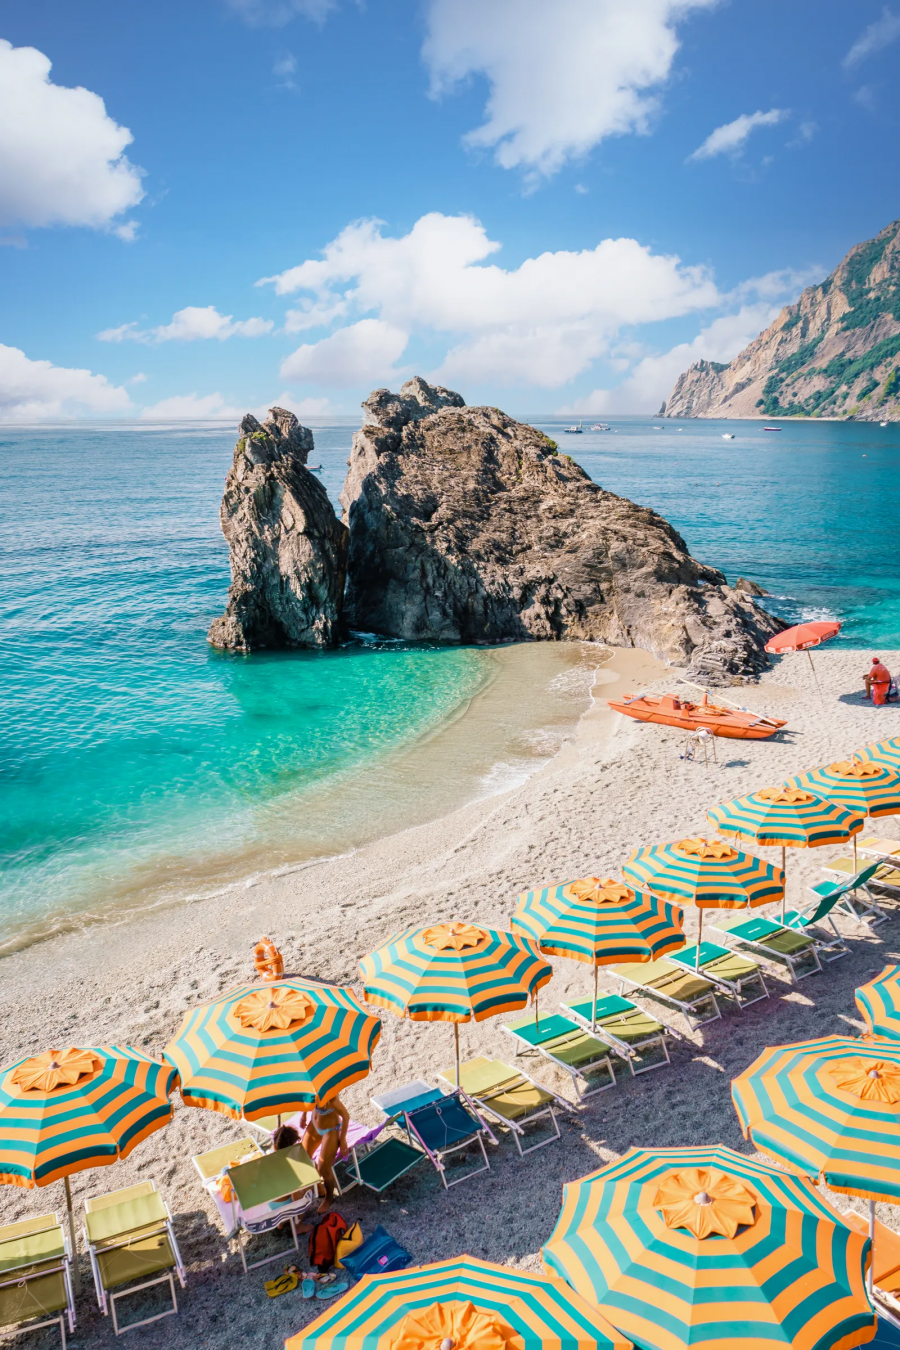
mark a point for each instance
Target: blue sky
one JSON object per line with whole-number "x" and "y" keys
{"x": 209, "y": 206}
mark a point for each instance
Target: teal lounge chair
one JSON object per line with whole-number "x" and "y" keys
{"x": 735, "y": 974}
{"x": 853, "y": 896}
{"x": 797, "y": 951}
{"x": 568, "y": 1046}
{"x": 818, "y": 923}
{"x": 631, "y": 1032}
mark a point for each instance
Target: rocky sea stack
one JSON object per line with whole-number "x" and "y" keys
{"x": 467, "y": 526}
{"x": 288, "y": 550}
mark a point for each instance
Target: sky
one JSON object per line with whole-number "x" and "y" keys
{"x": 557, "y": 207}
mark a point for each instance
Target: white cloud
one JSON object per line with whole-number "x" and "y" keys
{"x": 873, "y": 39}
{"x": 62, "y": 158}
{"x": 284, "y": 70}
{"x": 805, "y": 133}
{"x": 562, "y": 75}
{"x": 35, "y": 391}
{"x": 276, "y": 13}
{"x": 540, "y": 323}
{"x": 192, "y": 324}
{"x": 730, "y": 138}
{"x": 191, "y": 408}
{"x": 362, "y": 354}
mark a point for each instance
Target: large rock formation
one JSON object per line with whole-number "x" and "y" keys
{"x": 288, "y": 550}
{"x": 832, "y": 354}
{"x": 466, "y": 526}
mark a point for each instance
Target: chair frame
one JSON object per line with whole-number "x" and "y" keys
{"x": 731, "y": 988}
{"x": 629, "y": 1052}
{"x": 761, "y": 948}
{"x": 685, "y": 1007}
{"x": 517, "y": 1127}
{"x": 64, "y": 1266}
{"x": 107, "y": 1300}
{"x": 437, "y": 1156}
{"x": 574, "y": 1072}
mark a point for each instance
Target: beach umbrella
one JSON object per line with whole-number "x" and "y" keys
{"x": 879, "y": 1003}
{"x": 863, "y": 786}
{"x": 687, "y": 1247}
{"x": 801, "y": 638}
{"x": 706, "y": 873}
{"x": 829, "y": 1109}
{"x": 453, "y": 972}
{"x": 463, "y": 1303}
{"x": 65, "y": 1111}
{"x": 599, "y": 922}
{"x": 272, "y": 1049}
{"x": 786, "y": 817}
{"x": 882, "y": 752}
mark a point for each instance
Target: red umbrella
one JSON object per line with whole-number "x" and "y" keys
{"x": 801, "y": 637}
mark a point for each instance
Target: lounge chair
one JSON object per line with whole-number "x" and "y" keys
{"x": 130, "y": 1238}
{"x": 686, "y": 990}
{"x": 853, "y": 896}
{"x": 729, "y": 971}
{"x": 887, "y": 878}
{"x": 360, "y": 1139}
{"x": 380, "y": 1166}
{"x": 818, "y": 923}
{"x": 886, "y": 1258}
{"x": 450, "y": 1125}
{"x": 632, "y": 1032}
{"x": 797, "y": 951}
{"x": 36, "y": 1276}
{"x": 252, "y": 1191}
{"x": 568, "y": 1046}
{"x": 887, "y": 850}
{"x": 509, "y": 1097}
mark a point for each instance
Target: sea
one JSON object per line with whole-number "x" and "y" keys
{"x": 139, "y": 767}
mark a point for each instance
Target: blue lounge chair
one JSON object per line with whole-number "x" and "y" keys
{"x": 450, "y": 1125}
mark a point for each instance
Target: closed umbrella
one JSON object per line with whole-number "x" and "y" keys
{"x": 453, "y": 972}
{"x": 598, "y": 922}
{"x": 688, "y": 1247}
{"x": 272, "y": 1049}
{"x": 462, "y": 1303}
{"x": 707, "y": 873}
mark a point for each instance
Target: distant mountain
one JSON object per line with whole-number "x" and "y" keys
{"x": 835, "y": 353}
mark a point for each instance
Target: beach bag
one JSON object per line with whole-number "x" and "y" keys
{"x": 324, "y": 1239}
{"x": 347, "y": 1244}
{"x": 378, "y": 1254}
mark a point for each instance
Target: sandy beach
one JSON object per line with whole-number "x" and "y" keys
{"x": 612, "y": 786}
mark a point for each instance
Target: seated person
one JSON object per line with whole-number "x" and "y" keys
{"x": 327, "y": 1132}
{"x": 285, "y": 1137}
{"x": 877, "y": 681}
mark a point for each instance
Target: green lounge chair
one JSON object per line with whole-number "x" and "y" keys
{"x": 36, "y": 1277}
{"x": 818, "y": 922}
{"x": 568, "y": 1046}
{"x": 797, "y": 951}
{"x": 688, "y": 991}
{"x": 509, "y": 1097}
{"x": 887, "y": 878}
{"x": 632, "y": 1032}
{"x": 729, "y": 971}
{"x": 130, "y": 1238}
{"x": 853, "y": 896}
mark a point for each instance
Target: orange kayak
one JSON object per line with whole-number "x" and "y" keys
{"x": 677, "y": 712}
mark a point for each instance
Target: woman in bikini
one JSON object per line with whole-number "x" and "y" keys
{"x": 327, "y": 1132}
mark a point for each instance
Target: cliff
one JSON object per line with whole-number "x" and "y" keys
{"x": 832, "y": 354}
{"x": 288, "y": 550}
{"x": 466, "y": 526}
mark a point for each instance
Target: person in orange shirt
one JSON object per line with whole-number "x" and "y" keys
{"x": 877, "y": 681}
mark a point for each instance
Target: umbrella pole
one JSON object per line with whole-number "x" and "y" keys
{"x": 815, "y": 676}
{"x": 456, "y": 1040}
{"x": 537, "y": 1014}
{"x": 784, "y": 881}
{"x": 854, "y": 855}
{"x": 76, "y": 1273}
{"x": 699, "y": 940}
{"x": 871, "y": 1279}
{"x": 594, "y": 1004}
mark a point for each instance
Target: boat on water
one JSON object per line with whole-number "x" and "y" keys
{"x": 883, "y": 424}
{"x": 727, "y": 435}
{"x": 771, "y": 428}
{"x": 314, "y": 468}
{"x": 573, "y": 430}
{"x": 600, "y": 426}
{"x": 734, "y": 723}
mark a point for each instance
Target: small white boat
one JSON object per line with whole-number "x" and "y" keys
{"x": 573, "y": 430}
{"x": 314, "y": 468}
{"x": 883, "y": 424}
{"x": 727, "y": 435}
{"x": 600, "y": 426}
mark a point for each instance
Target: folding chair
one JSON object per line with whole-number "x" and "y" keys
{"x": 451, "y": 1125}
{"x": 393, "y": 1157}
{"x": 632, "y": 1032}
{"x": 797, "y": 951}
{"x": 853, "y": 896}
{"x": 36, "y": 1277}
{"x": 262, "y": 1191}
{"x": 509, "y": 1097}
{"x": 683, "y": 989}
{"x": 729, "y": 971}
{"x": 129, "y": 1237}
{"x": 568, "y": 1046}
{"x": 830, "y": 945}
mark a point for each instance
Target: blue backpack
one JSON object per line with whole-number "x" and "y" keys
{"x": 378, "y": 1254}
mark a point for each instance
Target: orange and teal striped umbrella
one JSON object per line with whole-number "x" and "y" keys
{"x": 879, "y": 1003}
{"x": 882, "y": 752}
{"x": 453, "y": 972}
{"x": 829, "y": 1109}
{"x": 707, "y": 873}
{"x": 599, "y": 922}
{"x": 273, "y": 1049}
{"x": 785, "y": 816}
{"x": 704, "y": 1247}
{"x": 864, "y": 787}
{"x": 64, "y": 1111}
{"x": 466, "y": 1303}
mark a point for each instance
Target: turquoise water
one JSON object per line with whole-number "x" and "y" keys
{"x": 134, "y": 759}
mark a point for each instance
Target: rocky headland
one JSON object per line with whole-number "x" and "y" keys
{"x": 467, "y": 526}
{"x": 832, "y": 354}
{"x": 288, "y": 550}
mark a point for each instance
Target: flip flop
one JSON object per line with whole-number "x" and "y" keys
{"x": 283, "y": 1285}
{"x": 332, "y": 1290}
{"x": 308, "y": 1288}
